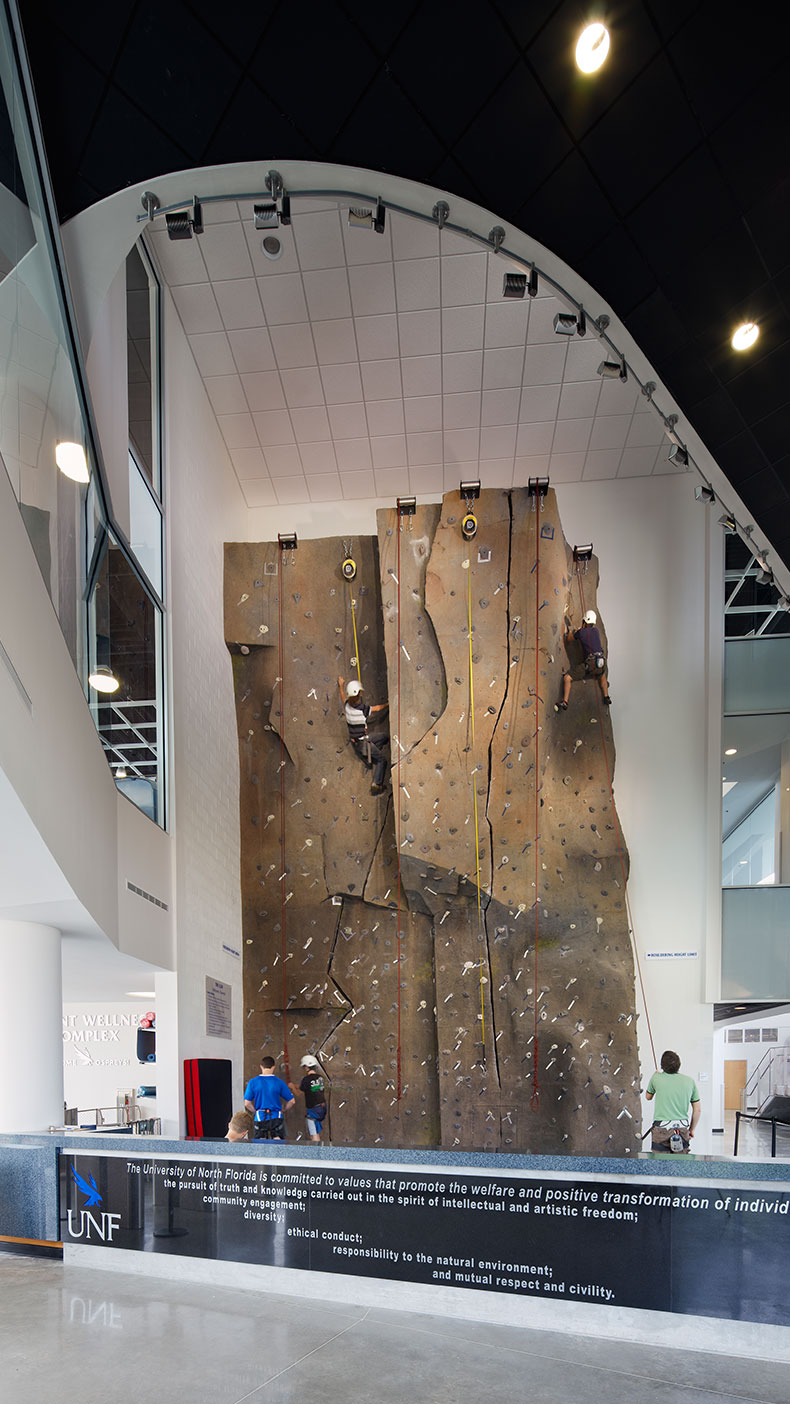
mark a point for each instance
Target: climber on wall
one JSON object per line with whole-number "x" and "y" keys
{"x": 367, "y": 746}
{"x": 589, "y": 638}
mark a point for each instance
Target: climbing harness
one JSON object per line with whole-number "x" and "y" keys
{"x": 618, "y": 838}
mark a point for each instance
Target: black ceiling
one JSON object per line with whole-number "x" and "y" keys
{"x": 663, "y": 180}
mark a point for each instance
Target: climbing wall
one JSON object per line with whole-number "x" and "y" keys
{"x": 457, "y": 952}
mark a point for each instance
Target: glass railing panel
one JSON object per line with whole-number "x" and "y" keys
{"x": 757, "y": 675}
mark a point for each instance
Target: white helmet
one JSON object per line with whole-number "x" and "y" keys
{"x": 308, "y": 1061}
{"x": 353, "y": 688}
{"x": 591, "y": 617}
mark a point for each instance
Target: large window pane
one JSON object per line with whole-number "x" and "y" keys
{"x": 126, "y": 641}
{"x": 145, "y": 526}
{"x": 141, "y": 365}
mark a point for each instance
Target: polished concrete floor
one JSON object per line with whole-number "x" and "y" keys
{"x": 754, "y": 1141}
{"x": 82, "y": 1336}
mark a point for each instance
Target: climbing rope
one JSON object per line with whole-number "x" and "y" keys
{"x": 618, "y": 841}
{"x": 396, "y": 791}
{"x": 356, "y": 643}
{"x": 474, "y": 794}
{"x": 535, "y": 1098}
{"x": 283, "y": 883}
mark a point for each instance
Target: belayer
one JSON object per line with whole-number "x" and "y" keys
{"x": 369, "y": 747}
{"x": 589, "y": 639}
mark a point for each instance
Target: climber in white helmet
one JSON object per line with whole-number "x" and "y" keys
{"x": 589, "y": 639}
{"x": 369, "y": 747}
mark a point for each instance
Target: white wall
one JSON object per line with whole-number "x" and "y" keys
{"x": 105, "y": 365}
{"x": 204, "y": 507}
{"x": 753, "y": 1052}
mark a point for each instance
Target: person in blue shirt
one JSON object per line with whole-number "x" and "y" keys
{"x": 589, "y": 638}
{"x": 267, "y": 1097}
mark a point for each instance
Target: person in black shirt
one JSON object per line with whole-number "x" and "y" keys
{"x": 313, "y": 1089}
{"x": 589, "y": 638}
{"x": 370, "y": 747}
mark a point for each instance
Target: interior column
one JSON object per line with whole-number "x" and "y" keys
{"x": 31, "y": 1027}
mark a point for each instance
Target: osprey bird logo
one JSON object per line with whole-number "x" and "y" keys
{"x": 90, "y": 1190}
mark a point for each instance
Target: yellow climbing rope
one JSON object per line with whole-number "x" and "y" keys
{"x": 474, "y": 792}
{"x": 356, "y": 645}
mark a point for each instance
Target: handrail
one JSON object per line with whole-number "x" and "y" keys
{"x": 774, "y": 1120}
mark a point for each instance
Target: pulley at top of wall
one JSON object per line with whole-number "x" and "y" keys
{"x": 470, "y": 491}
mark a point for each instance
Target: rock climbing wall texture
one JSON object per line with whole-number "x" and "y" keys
{"x": 457, "y": 952}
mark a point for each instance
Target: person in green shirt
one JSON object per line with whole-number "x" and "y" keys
{"x": 673, "y": 1091}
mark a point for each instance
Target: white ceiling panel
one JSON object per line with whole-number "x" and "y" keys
{"x": 239, "y": 303}
{"x": 283, "y": 299}
{"x": 259, "y": 493}
{"x": 264, "y": 390}
{"x": 319, "y": 241}
{"x": 377, "y": 337}
{"x": 342, "y": 383}
{"x": 310, "y": 425}
{"x": 225, "y": 251}
{"x": 335, "y": 342}
{"x": 293, "y": 345}
{"x": 249, "y": 463}
{"x": 327, "y": 295}
{"x": 333, "y": 367}
{"x": 197, "y": 308}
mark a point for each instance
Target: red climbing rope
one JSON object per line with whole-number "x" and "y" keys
{"x": 618, "y": 841}
{"x": 535, "y": 1098}
{"x": 396, "y": 798}
{"x": 283, "y": 882}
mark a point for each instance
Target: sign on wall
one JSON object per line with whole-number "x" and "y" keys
{"x": 218, "y": 1007}
{"x": 673, "y": 1246}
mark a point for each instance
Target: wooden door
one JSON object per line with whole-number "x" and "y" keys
{"x": 734, "y": 1082}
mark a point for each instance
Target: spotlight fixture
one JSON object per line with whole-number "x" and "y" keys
{"x": 571, "y": 323}
{"x": 678, "y": 457}
{"x": 514, "y": 285}
{"x": 614, "y": 370}
{"x": 731, "y": 751}
{"x": 592, "y": 47}
{"x": 184, "y": 222}
{"x": 744, "y": 336}
{"x": 288, "y": 540}
{"x": 407, "y": 506}
{"x": 72, "y": 462}
{"x": 670, "y": 430}
{"x": 121, "y": 772}
{"x": 265, "y": 216}
{"x": 102, "y": 679}
{"x": 368, "y": 219}
{"x": 729, "y": 523}
{"x": 703, "y": 493}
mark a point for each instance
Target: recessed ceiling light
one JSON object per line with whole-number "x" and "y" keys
{"x": 141, "y": 994}
{"x": 271, "y": 246}
{"x": 731, "y": 751}
{"x": 72, "y": 462}
{"x": 592, "y": 48}
{"x": 745, "y": 336}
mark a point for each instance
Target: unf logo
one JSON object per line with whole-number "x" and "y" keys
{"x": 90, "y": 1226}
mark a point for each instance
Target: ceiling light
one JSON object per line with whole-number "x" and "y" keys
{"x": 679, "y": 458}
{"x": 121, "y": 772}
{"x": 72, "y": 462}
{"x": 704, "y": 493}
{"x": 728, "y": 522}
{"x": 102, "y": 679}
{"x": 514, "y": 285}
{"x": 571, "y": 323}
{"x": 745, "y": 336}
{"x": 765, "y": 577}
{"x": 271, "y": 246}
{"x": 592, "y": 47}
{"x": 141, "y": 994}
{"x": 368, "y": 219}
{"x": 265, "y": 216}
{"x": 183, "y": 223}
{"x": 614, "y": 370}
{"x": 731, "y": 751}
